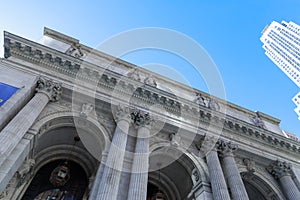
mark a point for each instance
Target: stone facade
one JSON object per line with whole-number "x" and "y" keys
{"x": 106, "y": 129}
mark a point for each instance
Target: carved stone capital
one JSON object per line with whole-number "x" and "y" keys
{"x": 52, "y": 89}
{"x": 207, "y": 144}
{"x": 279, "y": 169}
{"x": 122, "y": 113}
{"x": 141, "y": 118}
{"x": 226, "y": 148}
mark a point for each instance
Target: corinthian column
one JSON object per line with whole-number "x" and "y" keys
{"x": 218, "y": 184}
{"x": 236, "y": 185}
{"x": 139, "y": 175}
{"x": 283, "y": 172}
{"x": 112, "y": 171}
{"x": 14, "y": 131}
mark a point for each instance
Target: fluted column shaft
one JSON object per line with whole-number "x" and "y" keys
{"x": 282, "y": 171}
{"x": 235, "y": 182}
{"x": 290, "y": 188}
{"x": 98, "y": 177}
{"x": 218, "y": 184}
{"x": 139, "y": 176}
{"x": 112, "y": 172}
{"x": 14, "y": 131}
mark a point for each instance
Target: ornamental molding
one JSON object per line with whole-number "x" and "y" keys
{"x": 53, "y": 60}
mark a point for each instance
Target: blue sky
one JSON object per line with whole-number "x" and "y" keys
{"x": 228, "y": 30}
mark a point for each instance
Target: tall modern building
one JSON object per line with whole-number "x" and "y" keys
{"x": 282, "y": 45}
{"x": 79, "y": 124}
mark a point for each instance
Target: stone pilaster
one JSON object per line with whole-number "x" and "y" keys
{"x": 112, "y": 172}
{"x": 218, "y": 183}
{"x": 283, "y": 172}
{"x": 235, "y": 182}
{"x": 14, "y": 131}
{"x": 139, "y": 175}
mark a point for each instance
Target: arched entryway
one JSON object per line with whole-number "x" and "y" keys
{"x": 258, "y": 189}
{"x": 58, "y": 180}
{"x": 173, "y": 175}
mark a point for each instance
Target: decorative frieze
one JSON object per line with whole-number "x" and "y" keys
{"x": 112, "y": 81}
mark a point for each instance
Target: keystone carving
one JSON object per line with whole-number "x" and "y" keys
{"x": 279, "y": 169}
{"x": 175, "y": 139}
{"x": 52, "y": 89}
{"x": 86, "y": 109}
{"x": 250, "y": 165}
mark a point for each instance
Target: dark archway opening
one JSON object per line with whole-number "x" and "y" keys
{"x": 154, "y": 193}
{"x": 253, "y": 192}
{"x": 41, "y": 187}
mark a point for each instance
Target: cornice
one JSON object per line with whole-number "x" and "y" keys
{"x": 59, "y": 62}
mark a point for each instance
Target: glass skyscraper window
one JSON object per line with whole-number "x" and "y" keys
{"x": 281, "y": 42}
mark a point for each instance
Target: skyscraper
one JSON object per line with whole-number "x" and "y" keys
{"x": 282, "y": 44}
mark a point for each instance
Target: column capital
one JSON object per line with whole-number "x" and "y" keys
{"x": 279, "y": 169}
{"x": 226, "y": 148}
{"x": 52, "y": 89}
{"x": 207, "y": 144}
{"x": 122, "y": 112}
{"x": 141, "y": 118}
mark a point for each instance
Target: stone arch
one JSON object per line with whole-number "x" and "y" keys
{"x": 257, "y": 182}
{"x": 179, "y": 173}
{"x": 55, "y": 124}
{"x": 53, "y": 120}
{"x": 92, "y": 130}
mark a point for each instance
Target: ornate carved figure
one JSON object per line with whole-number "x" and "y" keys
{"x": 24, "y": 170}
{"x": 250, "y": 165}
{"x": 199, "y": 100}
{"x": 51, "y": 89}
{"x": 135, "y": 75}
{"x": 175, "y": 139}
{"x": 86, "y": 109}
{"x": 257, "y": 121}
{"x": 195, "y": 177}
{"x": 75, "y": 51}
{"x": 212, "y": 104}
{"x": 150, "y": 81}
